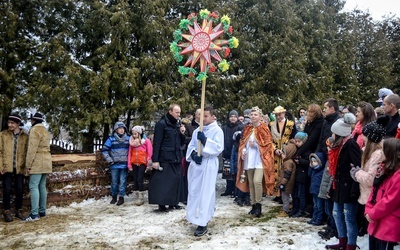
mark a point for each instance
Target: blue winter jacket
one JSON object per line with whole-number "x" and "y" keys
{"x": 116, "y": 152}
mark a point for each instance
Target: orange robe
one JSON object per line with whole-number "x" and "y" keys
{"x": 263, "y": 137}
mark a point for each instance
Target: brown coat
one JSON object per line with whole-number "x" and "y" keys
{"x": 280, "y": 138}
{"x": 7, "y": 151}
{"x": 38, "y": 158}
{"x": 287, "y": 172}
{"x": 264, "y": 141}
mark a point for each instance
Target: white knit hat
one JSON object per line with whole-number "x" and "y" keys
{"x": 342, "y": 127}
{"x": 138, "y": 129}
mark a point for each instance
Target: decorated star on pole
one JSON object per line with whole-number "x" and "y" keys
{"x": 203, "y": 44}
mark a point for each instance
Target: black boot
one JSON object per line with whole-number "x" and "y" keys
{"x": 120, "y": 201}
{"x": 247, "y": 201}
{"x": 114, "y": 199}
{"x": 257, "y": 211}
{"x": 239, "y": 201}
{"x": 253, "y": 209}
{"x": 7, "y": 216}
{"x": 19, "y": 214}
{"x": 200, "y": 231}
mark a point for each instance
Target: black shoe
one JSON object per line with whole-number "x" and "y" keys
{"x": 327, "y": 235}
{"x": 200, "y": 231}
{"x": 162, "y": 208}
{"x": 177, "y": 207}
{"x": 120, "y": 201}
{"x": 297, "y": 214}
{"x": 114, "y": 199}
{"x": 19, "y": 214}
{"x": 7, "y": 216}
{"x": 239, "y": 201}
{"x": 253, "y": 209}
{"x": 225, "y": 194}
{"x": 276, "y": 199}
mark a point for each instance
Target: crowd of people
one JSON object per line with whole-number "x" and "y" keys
{"x": 337, "y": 165}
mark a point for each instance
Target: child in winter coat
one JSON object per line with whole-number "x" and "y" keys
{"x": 139, "y": 157}
{"x": 383, "y": 207}
{"x": 302, "y": 181}
{"x": 115, "y": 152}
{"x": 286, "y": 177}
{"x": 316, "y": 170}
{"x": 372, "y": 157}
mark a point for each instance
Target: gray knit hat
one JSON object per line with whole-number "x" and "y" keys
{"x": 342, "y": 127}
{"x": 233, "y": 112}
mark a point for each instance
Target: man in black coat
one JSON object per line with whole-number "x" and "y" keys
{"x": 331, "y": 112}
{"x": 166, "y": 180}
{"x": 391, "y": 119}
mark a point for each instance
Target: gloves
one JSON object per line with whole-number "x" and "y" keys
{"x": 353, "y": 171}
{"x": 196, "y": 158}
{"x": 282, "y": 187}
{"x": 201, "y": 137}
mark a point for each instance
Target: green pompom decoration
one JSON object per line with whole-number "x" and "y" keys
{"x": 201, "y": 76}
{"x": 177, "y": 35}
{"x": 184, "y": 23}
{"x": 173, "y": 47}
{"x": 183, "y": 70}
{"x": 178, "y": 57}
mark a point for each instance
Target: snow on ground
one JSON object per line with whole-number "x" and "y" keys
{"x": 95, "y": 224}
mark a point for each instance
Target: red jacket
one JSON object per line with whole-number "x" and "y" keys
{"x": 398, "y": 133}
{"x": 386, "y": 212}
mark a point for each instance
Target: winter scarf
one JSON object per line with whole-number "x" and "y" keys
{"x": 136, "y": 142}
{"x": 333, "y": 157}
{"x": 119, "y": 138}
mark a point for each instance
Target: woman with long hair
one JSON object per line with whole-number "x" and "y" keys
{"x": 365, "y": 114}
{"x": 373, "y": 134}
{"x": 383, "y": 207}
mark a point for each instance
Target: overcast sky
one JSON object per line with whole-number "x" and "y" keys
{"x": 377, "y": 8}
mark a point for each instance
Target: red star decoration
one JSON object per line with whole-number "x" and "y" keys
{"x": 202, "y": 45}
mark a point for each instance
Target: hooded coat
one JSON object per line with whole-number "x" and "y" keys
{"x": 115, "y": 149}
{"x": 287, "y": 173}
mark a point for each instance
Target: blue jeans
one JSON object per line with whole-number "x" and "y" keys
{"x": 346, "y": 221}
{"x": 318, "y": 208}
{"x": 328, "y": 212}
{"x": 37, "y": 189}
{"x": 299, "y": 197}
{"x": 118, "y": 181}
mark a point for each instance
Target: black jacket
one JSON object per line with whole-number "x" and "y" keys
{"x": 347, "y": 190}
{"x": 326, "y": 132}
{"x": 390, "y": 123}
{"x": 167, "y": 142}
{"x": 313, "y": 130}
{"x": 229, "y": 129}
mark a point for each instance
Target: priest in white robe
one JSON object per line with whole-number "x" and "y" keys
{"x": 203, "y": 170}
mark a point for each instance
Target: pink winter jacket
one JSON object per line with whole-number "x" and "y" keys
{"x": 141, "y": 154}
{"x": 366, "y": 175}
{"x": 386, "y": 212}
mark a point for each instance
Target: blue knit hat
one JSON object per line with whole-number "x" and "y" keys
{"x": 301, "y": 136}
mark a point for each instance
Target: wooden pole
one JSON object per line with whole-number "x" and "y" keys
{"x": 203, "y": 97}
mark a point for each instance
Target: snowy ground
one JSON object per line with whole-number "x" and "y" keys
{"x": 95, "y": 224}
